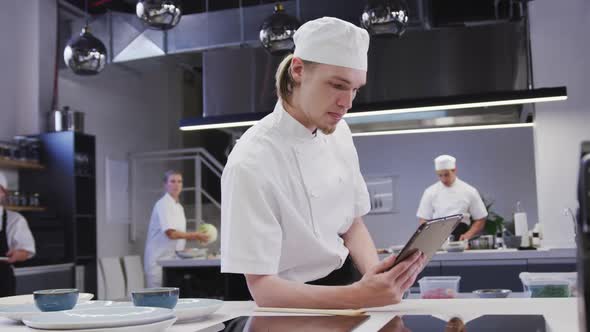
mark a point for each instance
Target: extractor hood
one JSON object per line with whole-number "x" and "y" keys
{"x": 451, "y": 56}
{"x": 438, "y": 78}
{"x": 447, "y": 111}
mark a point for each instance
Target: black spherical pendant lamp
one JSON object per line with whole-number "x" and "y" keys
{"x": 159, "y": 14}
{"x": 276, "y": 32}
{"x": 85, "y": 54}
{"x": 385, "y": 17}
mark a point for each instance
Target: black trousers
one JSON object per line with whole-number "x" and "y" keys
{"x": 7, "y": 280}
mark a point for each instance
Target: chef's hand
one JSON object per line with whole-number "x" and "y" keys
{"x": 201, "y": 237}
{"x": 465, "y": 237}
{"x": 383, "y": 285}
{"x": 17, "y": 256}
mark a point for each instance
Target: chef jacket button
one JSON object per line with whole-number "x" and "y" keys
{"x": 314, "y": 194}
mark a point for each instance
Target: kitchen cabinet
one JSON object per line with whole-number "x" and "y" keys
{"x": 206, "y": 282}
{"x": 552, "y": 265}
{"x": 30, "y": 279}
{"x": 486, "y": 273}
{"x": 66, "y": 232}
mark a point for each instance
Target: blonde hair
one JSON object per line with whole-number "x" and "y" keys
{"x": 284, "y": 82}
{"x": 169, "y": 173}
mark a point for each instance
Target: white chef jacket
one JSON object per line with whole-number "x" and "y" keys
{"x": 167, "y": 214}
{"x": 287, "y": 196}
{"x": 439, "y": 200}
{"x": 18, "y": 234}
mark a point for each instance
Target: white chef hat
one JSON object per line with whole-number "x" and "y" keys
{"x": 3, "y": 181}
{"x": 332, "y": 41}
{"x": 444, "y": 162}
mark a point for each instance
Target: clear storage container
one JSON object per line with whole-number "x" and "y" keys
{"x": 439, "y": 287}
{"x": 549, "y": 284}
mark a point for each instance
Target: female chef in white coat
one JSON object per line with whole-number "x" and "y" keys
{"x": 167, "y": 231}
{"x": 292, "y": 192}
{"x": 451, "y": 196}
{"x": 16, "y": 242}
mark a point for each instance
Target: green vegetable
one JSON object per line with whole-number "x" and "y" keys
{"x": 550, "y": 291}
{"x": 210, "y": 231}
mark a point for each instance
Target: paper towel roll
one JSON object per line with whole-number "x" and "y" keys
{"x": 521, "y": 228}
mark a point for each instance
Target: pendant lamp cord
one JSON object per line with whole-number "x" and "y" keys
{"x": 56, "y": 65}
{"x": 86, "y": 10}
{"x": 529, "y": 55}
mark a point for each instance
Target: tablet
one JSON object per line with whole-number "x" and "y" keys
{"x": 429, "y": 237}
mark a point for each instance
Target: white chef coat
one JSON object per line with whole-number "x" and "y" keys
{"x": 287, "y": 196}
{"x": 167, "y": 214}
{"x": 439, "y": 200}
{"x": 18, "y": 234}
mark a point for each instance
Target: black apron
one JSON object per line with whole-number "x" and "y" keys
{"x": 345, "y": 275}
{"x": 7, "y": 279}
{"x": 461, "y": 229}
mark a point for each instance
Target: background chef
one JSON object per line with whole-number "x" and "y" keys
{"x": 16, "y": 242}
{"x": 167, "y": 230}
{"x": 451, "y": 196}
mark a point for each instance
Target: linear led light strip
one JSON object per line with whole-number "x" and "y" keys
{"x": 444, "y": 129}
{"x": 456, "y": 106}
{"x": 395, "y": 111}
{"x": 219, "y": 125}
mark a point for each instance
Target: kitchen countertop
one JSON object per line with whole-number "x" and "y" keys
{"x": 188, "y": 262}
{"x": 22, "y": 271}
{"x": 554, "y": 253}
{"x": 561, "y": 314}
{"x": 505, "y": 254}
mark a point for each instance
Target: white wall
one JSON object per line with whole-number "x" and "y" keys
{"x": 561, "y": 49}
{"x": 27, "y": 31}
{"x": 127, "y": 111}
{"x": 499, "y": 163}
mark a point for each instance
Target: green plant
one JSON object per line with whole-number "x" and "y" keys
{"x": 494, "y": 221}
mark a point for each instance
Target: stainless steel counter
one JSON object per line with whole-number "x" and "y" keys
{"x": 562, "y": 254}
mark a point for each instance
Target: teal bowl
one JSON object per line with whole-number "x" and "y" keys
{"x": 162, "y": 297}
{"x": 55, "y": 299}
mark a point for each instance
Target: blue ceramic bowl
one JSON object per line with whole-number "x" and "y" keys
{"x": 55, "y": 299}
{"x": 163, "y": 297}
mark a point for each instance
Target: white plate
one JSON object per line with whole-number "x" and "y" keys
{"x": 192, "y": 309}
{"x": 98, "y": 318}
{"x": 19, "y": 312}
{"x": 153, "y": 327}
{"x": 3, "y": 259}
{"x": 28, "y": 299}
{"x": 192, "y": 253}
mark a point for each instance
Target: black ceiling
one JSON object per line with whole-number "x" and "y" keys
{"x": 96, "y": 7}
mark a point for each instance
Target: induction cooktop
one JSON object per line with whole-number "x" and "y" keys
{"x": 406, "y": 323}
{"x": 485, "y": 323}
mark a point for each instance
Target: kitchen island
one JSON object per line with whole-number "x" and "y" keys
{"x": 560, "y": 314}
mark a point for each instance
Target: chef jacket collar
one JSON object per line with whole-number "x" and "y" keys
{"x": 170, "y": 198}
{"x": 289, "y": 127}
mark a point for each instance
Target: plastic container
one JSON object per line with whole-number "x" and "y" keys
{"x": 439, "y": 287}
{"x": 549, "y": 284}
